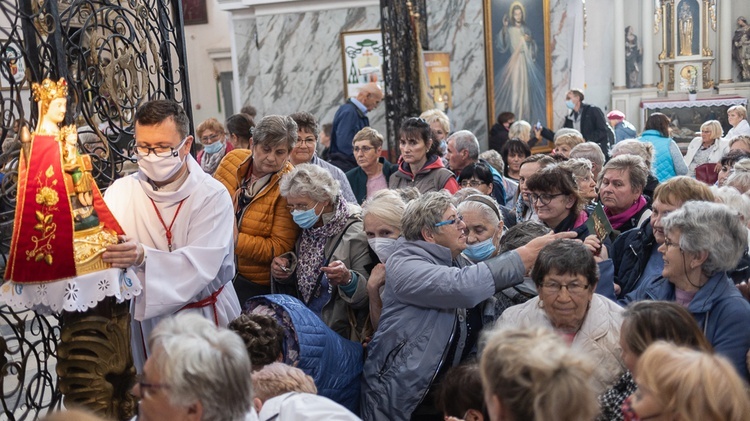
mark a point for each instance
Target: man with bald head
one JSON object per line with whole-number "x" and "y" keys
{"x": 350, "y": 119}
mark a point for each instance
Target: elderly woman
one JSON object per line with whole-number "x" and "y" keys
{"x": 566, "y": 142}
{"x": 240, "y": 130}
{"x": 531, "y": 374}
{"x": 431, "y": 319}
{"x": 381, "y": 216}
{"x": 373, "y": 170}
{"x": 737, "y": 116}
{"x": 583, "y": 176}
{"x": 702, "y": 241}
{"x": 523, "y": 131}
{"x": 212, "y": 136}
{"x": 740, "y": 177}
{"x": 635, "y": 253}
{"x": 327, "y": 270}
{"x": 566, "y": 274}
{"x": 264, "y": 227}
{"x": 644, "y": 323}
{"x": 727, "y": 165}
{"x": 304, "y": 152}
{"x": 440, "y": 125}
{"x": 621, "y": 186}
{"x": 645, "y": 151}
{"x": 484, "y": 226}
{"x": 706, "y": 149}
{"x": 419, "y": 165}
{"x": 668, "y": 158}
{"x": 678, "y": 383}
{"x": 477, "y": 175}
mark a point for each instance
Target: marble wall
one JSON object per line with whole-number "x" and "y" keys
{"x": 292, "y": 62}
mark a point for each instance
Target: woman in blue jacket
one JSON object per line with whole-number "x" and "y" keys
{"x": 668, "y": 160}
{"x": 702, "y": 241}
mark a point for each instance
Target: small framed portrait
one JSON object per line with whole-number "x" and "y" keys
{"x": 194, "y": 12}
{"x": 362, "y": 59}
{"x": 12, "y": 64}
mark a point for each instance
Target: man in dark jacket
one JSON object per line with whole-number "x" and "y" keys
{"x": 589, "y": 120}
{"x": 350, "y": 119}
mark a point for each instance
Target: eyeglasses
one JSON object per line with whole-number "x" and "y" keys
{"x": 669, "y": 243}
{"x": 144, "y": 386}
{"x": 574, "y": 288}
{"x": 160, "y": 151}
{"x": 472, "y": 183}
{"x": 211, "y": 139}
{"x": 364, "y": 149}
{"x": 307, "y": 141}
{"x": 450, "y": 221}
{"x": 544, "y": 197}
{"x": 302, "y": 208}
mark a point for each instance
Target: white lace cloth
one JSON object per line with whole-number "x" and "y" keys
{"x": 73, "y": 294}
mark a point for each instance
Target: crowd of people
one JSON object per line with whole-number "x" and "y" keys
{"x": 604, "y": 280}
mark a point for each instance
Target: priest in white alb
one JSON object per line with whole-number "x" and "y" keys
{"x": 178, "y": 224}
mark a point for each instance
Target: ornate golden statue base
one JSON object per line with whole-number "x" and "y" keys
{"x": 89, "y": 245}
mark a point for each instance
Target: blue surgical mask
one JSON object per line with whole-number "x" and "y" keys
{"x": 569, "y": 104}
{"x": 305, "y": 219}
{"x": 213, "y": 148}
{"x": 481, "y": 250}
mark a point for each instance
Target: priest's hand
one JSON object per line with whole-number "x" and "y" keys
{"x": 128, "y": 252}
{"x": 338, "y": 274}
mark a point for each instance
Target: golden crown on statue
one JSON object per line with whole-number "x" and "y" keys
{"x": 49, "y": 90}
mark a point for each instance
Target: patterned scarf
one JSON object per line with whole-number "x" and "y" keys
{"x": 311, "y": 253}
{"x": 210, "y": 163}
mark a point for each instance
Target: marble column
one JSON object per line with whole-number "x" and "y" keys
{"x": 647, "y": 39}
{"x": 726, "y": 24}
{"x": 619, "y": 47}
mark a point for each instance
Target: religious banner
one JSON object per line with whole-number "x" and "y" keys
{"x": 438, "y": 72}
{"x": 362, "y": 60}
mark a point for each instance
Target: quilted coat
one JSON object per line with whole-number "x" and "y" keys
{"x": 265, "y": 227}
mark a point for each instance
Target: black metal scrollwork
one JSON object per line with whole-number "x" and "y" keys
{"x": 115, "y": 54}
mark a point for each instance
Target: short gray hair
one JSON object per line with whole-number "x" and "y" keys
{"x": 579, "y": 167}
{"x": 494, "y": 158}
{"x": 310, "y": 180}
{"x": 731, "y": 197}
{"x": 480, "y": 204}
{"x": 635, "y": 166}
{"x": 274, "y": 130}
{"x": 386, "y": 205}
{"x": 590, "y": 151}
{"x": 203, "y": 363}
{"x": 635, "y": 147}
{"x": 465, "y": 140}
{"x": 423, "y": 213}
{"x": 520, "y": 234}
{"x": 566, "y": 131}
{"x": 740, "y": 180}
{"x": 713, "y": 228}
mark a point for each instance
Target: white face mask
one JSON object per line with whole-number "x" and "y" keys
{"x": 382, "y": 246}
{"x": 159, "y": 169}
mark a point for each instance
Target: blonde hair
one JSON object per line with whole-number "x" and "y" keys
{"x": 570, "y": 140}
{"x": 693, "y": 385}
{"x": 537, "y": 376}
{"x": 278, "y": 378}
{"x": 740, "y": 110}
{"x": 521, "y": 129}
{"x": 745, "y": 140}
{"x": 435, "y": 115}
{"x": 714, "y": 127}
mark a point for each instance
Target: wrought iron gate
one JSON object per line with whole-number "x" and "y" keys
{"x": 115, "y": 54}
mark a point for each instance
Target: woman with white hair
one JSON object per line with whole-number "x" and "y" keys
{"x": 327, "y": 270}
{"x": 708, "y": 148}
{"x": 740, "y": 177}
{"x": 737, "y": 116}
{"x": 702, "y": 242}
{"x": 431, "y": 318}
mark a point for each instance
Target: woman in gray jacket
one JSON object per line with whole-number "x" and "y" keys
{"x": 431, "y": 319}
